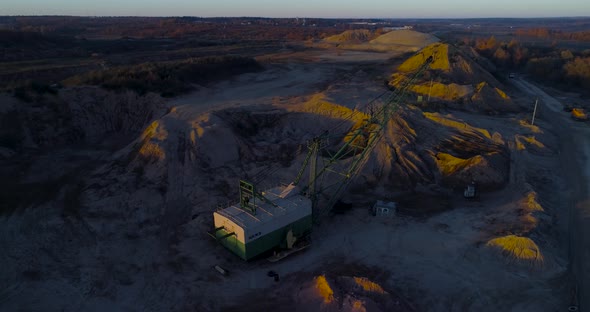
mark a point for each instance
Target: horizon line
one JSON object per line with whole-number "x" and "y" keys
{"x": 294, "y": 17}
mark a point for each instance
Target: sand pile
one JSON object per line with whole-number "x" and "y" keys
{"x": 346, "y": 293}
{"x": 351, "y": 119}
{"x": 324, "y": 290}
{"x": 318, "y": 104}
{"x": 150, "y": 150}
{"x": 518, "y": 250}
{"x": 244, "y": 139}
{"x": 351, "y": 36}
{"x": 405, "y": 37}
{"x": 454, "y": 79}
{"x": 208, "y": 142}
{"x": 527, "y": 124}
{"x": 427, "y": 148}
{"x": 450, "y": 122}
{"x": 393, "y": 41}
{"x": 488, "y": 98}
{"x": 458, "y": 171}
{"x": 531, "y": 203}
{"x": 447, "y": 92}
{"x": 399, "y": 159}
{"x": 439, "y": 52}
{"x": 531, "y": 213}
{"x": 527, "y": 142}
{"x": 416, "y": 147}
{"x": 467, "y": 153}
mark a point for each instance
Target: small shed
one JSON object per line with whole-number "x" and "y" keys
{"x": 384, "y": 209}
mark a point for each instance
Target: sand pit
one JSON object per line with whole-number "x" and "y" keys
{"x": 148, "y": 217}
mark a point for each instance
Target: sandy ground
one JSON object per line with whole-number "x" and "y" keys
{"x": 574, "y": 156}
{"x": 119, "y": 257}
{"x": 254, "y": 89}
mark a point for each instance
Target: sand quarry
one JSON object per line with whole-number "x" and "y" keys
{"x": 140, "y": 242}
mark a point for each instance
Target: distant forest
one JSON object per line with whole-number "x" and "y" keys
{"x": 178, "y": 27}
{"x": 167, "y": 78}
{"x": 168, "y": 55}
{"x": 554, "y": 34}
{"x": 544, "y": 63}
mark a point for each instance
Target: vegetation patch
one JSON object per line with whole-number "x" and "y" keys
{"x": 167, "y": 78}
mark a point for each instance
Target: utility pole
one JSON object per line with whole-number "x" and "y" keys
{"x": 534, "y": 112}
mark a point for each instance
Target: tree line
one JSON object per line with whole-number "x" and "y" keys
{"x": 167, "y": 78}
{"x": 554, "y": 34}
{"x": 550, "y": 64}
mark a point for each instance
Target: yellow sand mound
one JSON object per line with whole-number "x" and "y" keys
{"x": 440, "y": 53}
{"x": 149, "y": 149}
{"x": 517, "y": 249}
{"x": 531, "y": 203}
{"x": 530, "y": 206}
{"x": 346, "y": 293}
{"x": 521, "y": 140}
{"x": 368, "y": 285}
{"x": 317, "y": 104}
{"x": 351, "y": 36}
{"x": 527, "y": 124}
{"x": 485, "y": 92}
{"x": 449, "y": 164}
{"x": 449, "y": 92}
{"x": 153, "y": 129}
{"x": 451, "y": 123}
{"x": 502, "y": 94}
{"x": 452, "y": 77}
{"x": 324, "y": 289}
{"x": 357, "y": 306}
{"x": 405, "y": 37}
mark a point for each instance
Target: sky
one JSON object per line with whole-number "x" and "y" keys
{"x": 302, "y": 8}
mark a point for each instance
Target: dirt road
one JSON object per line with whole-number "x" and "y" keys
{"x": 574, "y": 155}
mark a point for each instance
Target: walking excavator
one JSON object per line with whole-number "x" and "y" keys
{"x": 330, "y": 168}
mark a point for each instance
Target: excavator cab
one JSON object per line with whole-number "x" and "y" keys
{"x": 470, "y": 191}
